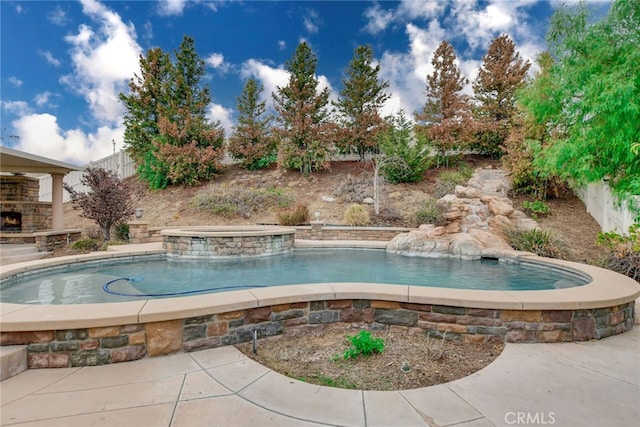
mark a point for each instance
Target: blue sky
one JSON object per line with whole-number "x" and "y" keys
{"x": 64, "y": 63}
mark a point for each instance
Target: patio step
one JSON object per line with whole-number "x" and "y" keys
{"x": 13, "y": 360}
{"x": 11, "y": 253}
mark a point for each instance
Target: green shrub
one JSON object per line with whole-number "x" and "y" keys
{"x": 541, "y": 243}
{"x": 240, "y": 201}
{"x": 356, "y": 215}
{"x": 623, "y": 252}
{"x": 406, "y": 153}
{"x": 298, "y": 216}
{"x": 448, "y": 179}
{"x": 122, "y": 231}
{"x": 363, "y": 344}
{"x": 432, "y": 212}
{"x": 85, "y": 245}
{"x": 263, "y": 162}
{"x": 536, "y": 209}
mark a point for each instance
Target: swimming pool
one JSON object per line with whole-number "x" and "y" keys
{"x": 157, "y": 277}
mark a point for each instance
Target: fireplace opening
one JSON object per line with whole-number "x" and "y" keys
{"x": 11, "y": 221}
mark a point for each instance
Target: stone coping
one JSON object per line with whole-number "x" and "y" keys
{"x": 227, "y": 231}
{"x": 57, "y": 232}
{"x": 606, "y": 289}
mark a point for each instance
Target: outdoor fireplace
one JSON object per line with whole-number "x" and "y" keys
{"x": 10, "y": 221}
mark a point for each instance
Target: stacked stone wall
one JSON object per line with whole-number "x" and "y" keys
{"x": 348, "y": 233}
{"x": 208, "y": 246}
{"x": 98, "y": 346}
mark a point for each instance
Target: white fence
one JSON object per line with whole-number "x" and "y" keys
{"x": 119, "y": 163}
{"x": 603, "y": 206}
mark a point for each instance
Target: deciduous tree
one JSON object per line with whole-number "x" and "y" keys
{"x": 305, "y": 132}
{"x": 590, "y": 99}
{"x": 359, "y": 103}
{"x": 502, "y": 72}
{"x": 109, "y": 201}
{"x": 252, "y": 141}
{"x": 446, "y": 116}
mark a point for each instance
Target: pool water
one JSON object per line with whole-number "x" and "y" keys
{"x": 157, "y": 275}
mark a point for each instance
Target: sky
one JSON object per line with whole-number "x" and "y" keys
{"x": 63, "y": 63}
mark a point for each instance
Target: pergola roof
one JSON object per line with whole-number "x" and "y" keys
{"x": 20, "y": 162}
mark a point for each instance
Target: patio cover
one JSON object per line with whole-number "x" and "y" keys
{"x": 15, "y": 161}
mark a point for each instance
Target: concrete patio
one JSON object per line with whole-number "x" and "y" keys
{"x": 594, "y": 383}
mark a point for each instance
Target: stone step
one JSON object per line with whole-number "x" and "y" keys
{"x": 17, "y": 249}
{"x": 13, "y": 360}
{"x": 13, "y": 253}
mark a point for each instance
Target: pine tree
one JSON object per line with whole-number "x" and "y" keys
{"x": 147, "y": 94}
{"x": 446, "y": 117}
{"x": 251, "y": 140}
{"x": 305, "y": 131}
{"x": 360, "y": 101}
{"x": 502, "y": 72}
{"x": 168, "y": 133}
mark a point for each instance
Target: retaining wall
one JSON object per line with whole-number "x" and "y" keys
{"x": 112, "y": 344}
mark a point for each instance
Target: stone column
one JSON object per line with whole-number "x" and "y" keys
{"x": 57, "y": 216}
{"x": 138, "y": 232}
{"x": 316, "y": 230}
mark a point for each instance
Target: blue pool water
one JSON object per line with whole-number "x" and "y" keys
{"x": 78, "y": 284}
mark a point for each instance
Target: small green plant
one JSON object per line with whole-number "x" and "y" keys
{"x": 363, "y": 344}
{"x": 431, "y": 212}
{"x": 541, "y": 243}
{"x": 623, "y": 252}
{"x": 85, "y": 245}
{"x": 537, "y": 208}
{"x": 298, "y": 216}
{"x": 448, "y": 179}
{"x": 339, "y": 382}
{"x": 122, "y": 231}
{"x": 356, "y": 215}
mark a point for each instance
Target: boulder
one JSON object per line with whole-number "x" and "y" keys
{"x": 328, "y": 199}
{"x": 367, "y": 201}
{"x": 490, "y": 241}
{"x": 501, "y": 206}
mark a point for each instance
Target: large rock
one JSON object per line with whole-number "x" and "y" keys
{"x": 489, "y": 240}
{"x": 500, "y": 206}
{"x": 419, "y": 242}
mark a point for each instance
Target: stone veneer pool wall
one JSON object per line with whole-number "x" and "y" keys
{"x": 207, "y": 242}
{"x": 120, "y": 343}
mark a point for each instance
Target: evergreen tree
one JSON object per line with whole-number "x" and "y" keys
{"x": 446, "y": 117}
{"x": 251, "y": 140}
{"x": 168, "y": 133}
{"x": 147, "y": 94}
{"x": 502, "y": 72}
{"x": 360, "y": 101}
{"x": 405, "y": 154}
{"x": 305, "y": 131}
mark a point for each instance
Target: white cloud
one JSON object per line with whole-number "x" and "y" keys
{"x": 40, "y": 134}
{"x": 19, "y": 9}
{"x": 58, "y": 16}
{"x": 48, "y": 56}
{"x": 42, "y": 98}
{"x": 282, "y": 45}
{"x": 269, "y": 76}
{"x": 15, "y": 81}
{"x": 103, "y": 60}
{"x": 218, "y": 113}
{"x": 216, "y": 60}
{"x": 310, "y": 21}
{"x": 407, "y": 72}
{"x": 18, "y": 108}
{"x": 379, "y": 19}
{"x": 171, "y": 7}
